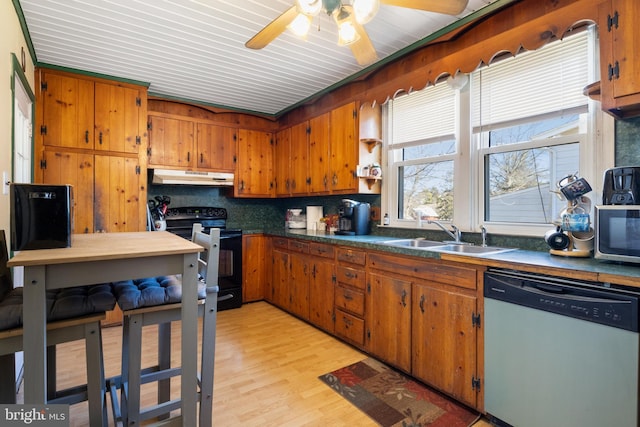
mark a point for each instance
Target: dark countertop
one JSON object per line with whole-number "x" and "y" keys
{"x": 533, "y": 261}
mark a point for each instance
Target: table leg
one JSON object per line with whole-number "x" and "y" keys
{"x": 34, "y": 335}
{"x": 189, "y": 319}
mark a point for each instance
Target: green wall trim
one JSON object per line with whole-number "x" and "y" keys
{"x": 17, "y": 70}
{"x": 25, "y": 30}
{"x": 92, "y": 74}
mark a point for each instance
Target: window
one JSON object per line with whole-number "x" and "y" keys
{"x": 490, "y": 150}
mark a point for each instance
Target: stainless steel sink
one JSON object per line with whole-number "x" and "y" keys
{"x": 470, "y": 249}
{"x": 458, "y": 248}
{"x": 412, "y": 243}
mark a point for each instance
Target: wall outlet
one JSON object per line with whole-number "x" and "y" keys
{"x": 375, "y": 213}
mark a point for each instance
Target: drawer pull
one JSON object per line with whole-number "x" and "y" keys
{"x": 422, "y": 298}
{"x": 348, "y": 296}
{"x": 350, "y": 275}
{"x": 404, "y": 297}
{"x": 347, "y": 322}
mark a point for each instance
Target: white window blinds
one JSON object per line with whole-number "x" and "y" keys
{"x": 424, "y": 114}
{"x": 550, "y": 79}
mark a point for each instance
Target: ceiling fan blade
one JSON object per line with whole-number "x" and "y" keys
{"x": 363, "y": 49}
{"x": 449, "y": 7}
{"x": 272, "y": 30}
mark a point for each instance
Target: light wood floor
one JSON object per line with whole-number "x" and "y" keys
{"x": 266, "y": 368}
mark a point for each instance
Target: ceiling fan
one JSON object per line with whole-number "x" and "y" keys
{"x": 350, "y": 18}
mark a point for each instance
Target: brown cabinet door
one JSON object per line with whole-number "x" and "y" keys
{"x": 75, "y": 169}
{"x": 117, "y": 195}
{"x": 170, "y": 142}
{"x": 343, "y": 148}
{"x": 321, "y": 294}
{"x": 254, "y": 175}
{"x": 619, "y": 65}
{"x": 253, "y": 267}
{"x": 67, "y": 111}
{"x": 299, "y": 285}
{"x": 117, "y": 112}
{"x": 389, "y": 320}
{"x": 216, "y": 147}
{"x": 282, "y": 163}
{"x": 299, "y": 159}
{"x": 319, "y": 154}
{"x": 444, "y": 340}
{"x": 279, "y": 294}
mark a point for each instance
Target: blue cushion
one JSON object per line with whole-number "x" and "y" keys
{"x": 151, "y": 291}
{"x": 61, "y": 304}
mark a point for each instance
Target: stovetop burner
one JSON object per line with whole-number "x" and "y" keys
{"x": 191, "y": 212}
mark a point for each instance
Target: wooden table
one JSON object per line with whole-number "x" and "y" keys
{"x": 108, "y": 257}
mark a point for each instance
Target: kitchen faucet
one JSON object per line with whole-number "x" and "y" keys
{"x": 455, "y": 234}
{"x": 484, "y": 235}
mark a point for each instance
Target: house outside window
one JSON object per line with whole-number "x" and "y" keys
{"x": 488, "y": 148}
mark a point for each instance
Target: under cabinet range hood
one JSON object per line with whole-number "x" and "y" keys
{"x": 182, "y": 177}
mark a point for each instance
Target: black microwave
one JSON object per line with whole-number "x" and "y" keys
{"x": 617, "y": 230}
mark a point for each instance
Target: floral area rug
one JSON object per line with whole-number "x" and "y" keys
{"x": 393, "y": 399}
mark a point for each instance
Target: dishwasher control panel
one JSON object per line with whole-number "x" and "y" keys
{"x": 581, "y": 300}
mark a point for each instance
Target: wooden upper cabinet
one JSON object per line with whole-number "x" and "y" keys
{"x": 319, "y": 153}
{"x": 171, "y": 142}
{"x": 343, "y": 141}
{"x": 81, "y": 113}
{"x": 619, "y": 57}
{"x": 254, "y": 172}
{"x": 117, "y": 115}
{"x": 282, "y": 170}
{"x": 67, "y": 107}
{"x": 215, "y": 147}
{"x": 299, "y": 159}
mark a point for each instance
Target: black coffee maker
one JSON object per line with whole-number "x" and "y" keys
{"x": 354, "y": 218}
{"x": 621, "y": 186}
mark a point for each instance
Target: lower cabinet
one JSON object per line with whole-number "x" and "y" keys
{"x": 444, "y": 338}
{"x": 253, "y": 267}
{"x": 420, "y": 315}
{"x": 389, "y": 319}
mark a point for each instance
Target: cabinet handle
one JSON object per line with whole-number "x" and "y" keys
{"x": 86, "y": 136}
{"x": 348, "y": 297}
{"x": 350, "y": 275}
{"x": 335, "y": 179}
{"x": 100, "y": 138}
{"x": 347, "y": 322}
{"x": 188, "y": 156}
{"x": 404, "y": 297}
{"x": 422, "y": 298}
{"x": 201, "y": 158}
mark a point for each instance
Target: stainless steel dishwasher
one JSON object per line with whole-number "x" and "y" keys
{"x": 559, "y": 352}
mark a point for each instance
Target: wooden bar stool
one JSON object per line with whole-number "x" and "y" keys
{"x": 156, "y": 301}
{"x": 73, "y": 314}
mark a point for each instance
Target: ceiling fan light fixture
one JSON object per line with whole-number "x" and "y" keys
{"x": 309, "y": 7}
{"x": 365, "y": 10}
{"x": 300, "y": 25}
{"x": 347, "y": 32}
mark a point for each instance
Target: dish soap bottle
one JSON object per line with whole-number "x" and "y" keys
{"x": 385, "y": 220}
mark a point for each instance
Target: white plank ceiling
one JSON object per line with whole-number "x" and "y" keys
{"x": 194, "y": 49}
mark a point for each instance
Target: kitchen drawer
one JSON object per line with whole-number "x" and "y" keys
{"x": 350, "y": 327}
{"x": 351, "y": 300}
{"x": 280, "y": 242}
{"x": 351, "y": 276}
{"x": 352, "y": 256}
{"x": 320, "y": 249}
{"x": 298, "y": 246}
